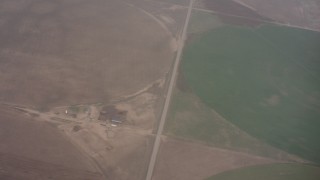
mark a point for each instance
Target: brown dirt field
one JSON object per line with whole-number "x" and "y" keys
{"x": 304, "y": 13}
{"x": 231, "y": 12}
{"x": 141, "y": 111}
{"x": 73, "y": 52}
{"x": 42, "y": 146}
{"x": 184, "y": 160}
{"x": 229, "y": 7}
{"x": 121, "y": 152}
{"x": 169, "y": 15}
{"x": 177, "y": 2}
{"x": 20, "y": 168}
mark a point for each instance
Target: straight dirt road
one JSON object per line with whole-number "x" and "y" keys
{"x": 169, "y": 94}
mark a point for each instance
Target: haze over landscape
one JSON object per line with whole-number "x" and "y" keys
{"x": 159, "y": 89}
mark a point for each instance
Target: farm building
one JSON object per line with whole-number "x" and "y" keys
{"x": 113, "y": 115}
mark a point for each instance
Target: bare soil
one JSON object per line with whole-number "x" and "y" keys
{"x": 37, "y": 150}
{"x": 58, "y": 60}
{"x": 184, "y": 160}
{"x": 168, "y": 15}
{"x": 21, "y": 168}
{"x": 118, "y": 152}
{"x": 303, "y": 13}
{"x": 122, "y": 151}
{"x": 177, "y": 2}
{"x": 233, "y": 13}
{"x": 56, "y": 53}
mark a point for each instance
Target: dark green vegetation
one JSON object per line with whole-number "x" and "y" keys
{"x": 189, "y": 118}
{"x": 272, "y": 172}
{"x": 265, "y": 81}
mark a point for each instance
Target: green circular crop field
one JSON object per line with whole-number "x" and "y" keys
{"x": 265, "y": 81}
{"x": 271, "y": 172}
